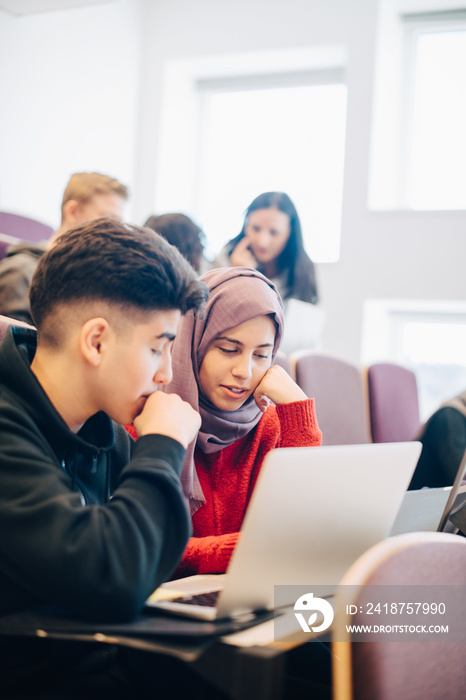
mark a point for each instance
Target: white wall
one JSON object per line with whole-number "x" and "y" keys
{"x": 384, "y": 254}
{"x": 69, "y": 90}
{"x": 72, "y": 85}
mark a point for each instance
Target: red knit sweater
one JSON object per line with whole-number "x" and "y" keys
{"x": 228, "y": 477}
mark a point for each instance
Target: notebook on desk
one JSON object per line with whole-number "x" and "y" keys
{"x": 428, "y": 510}
{"x": 314, "y": 510}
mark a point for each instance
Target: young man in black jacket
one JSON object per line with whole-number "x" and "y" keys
{"x": 91, "y": 521}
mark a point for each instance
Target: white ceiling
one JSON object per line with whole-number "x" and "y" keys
{"x": 27, "y": 7}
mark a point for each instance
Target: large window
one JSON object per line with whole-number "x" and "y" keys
{"x": 436, "y": 147}
{"x": 287, "y": 138}
{"x": 427, "y": 336}
{"x": 236, "y": 125}
{"x": 418, "y": 150}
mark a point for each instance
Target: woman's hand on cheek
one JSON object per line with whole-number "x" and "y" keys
{"x": 277, "y": 386}
{"x": 241, "y": 255}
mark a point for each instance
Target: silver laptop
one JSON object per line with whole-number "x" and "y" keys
{"x": 314, "y": 510}
{"x": 428, "y": 510}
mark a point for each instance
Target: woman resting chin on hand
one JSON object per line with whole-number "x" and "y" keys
{"x": 248, "y": 407}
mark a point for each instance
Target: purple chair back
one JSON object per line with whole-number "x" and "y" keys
{"x": 407, "y": 670}
{"x": 393, "y": 403}
{"x": 24, "y": 228}
{"x": 338, "y": 389}
{"x": 282, "y": 360}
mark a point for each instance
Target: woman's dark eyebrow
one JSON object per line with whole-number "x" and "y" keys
{"x": 229, "y": 340}
{"x": 238, "y": 342}
{"x": 170, "y": 336}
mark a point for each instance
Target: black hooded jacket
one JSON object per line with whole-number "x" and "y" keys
{"x": 62, "y": 540}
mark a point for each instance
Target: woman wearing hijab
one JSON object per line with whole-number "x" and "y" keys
{"x": 248, "y": 406}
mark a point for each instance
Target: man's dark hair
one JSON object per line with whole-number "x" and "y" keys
{"x": 117, "y": 263}
{"x": 182, "y": 232}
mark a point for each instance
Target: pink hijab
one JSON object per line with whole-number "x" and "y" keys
{"x": 236, "y": 295}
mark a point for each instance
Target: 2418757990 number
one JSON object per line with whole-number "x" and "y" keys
{"x": 406, "y": 608}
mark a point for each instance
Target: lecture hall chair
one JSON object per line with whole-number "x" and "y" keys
{"x": 282, "y": 360}
{"x": 401, "y": 670}
{"x": 340, "y": 397}
{"x": 24, "y": 228}
{"x": 393, "y": 402}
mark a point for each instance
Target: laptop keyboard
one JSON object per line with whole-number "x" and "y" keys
{"x": 208, "y": 600}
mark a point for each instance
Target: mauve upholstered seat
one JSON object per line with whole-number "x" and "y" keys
{"x": 338, "y": 389}
{"x": 393, "y": 403}
{"x": 404, "y": 670}
{"x": 282, "y": 360}
{"x": 24, "y": 228}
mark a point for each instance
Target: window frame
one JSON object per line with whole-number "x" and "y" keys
{"x": 398, "y": 23}
{"x": 180, "y": 108}
{"x": 242, "y": 83}
{"x": 383, "y": 324}
{"x": 415, "y": 25}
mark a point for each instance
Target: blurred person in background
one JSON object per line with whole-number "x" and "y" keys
{"x": 184, "y": 234}
{"x": 87, "y": 196}
{"x": 443, "y": 439}
{"x": 271, "y": 241}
